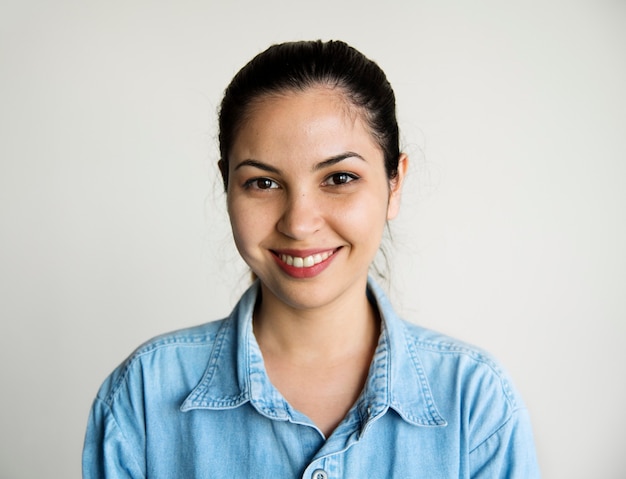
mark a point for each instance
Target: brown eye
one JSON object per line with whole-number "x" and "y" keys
{"x": 342, "y": 178}
{"x": 260, "y": 184}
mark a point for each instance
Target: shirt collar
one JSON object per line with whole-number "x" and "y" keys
{"x": 396, "y": 380}
{"x": 235, "y": 373}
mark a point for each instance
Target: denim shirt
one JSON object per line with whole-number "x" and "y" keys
{"x": 198, "y": 404}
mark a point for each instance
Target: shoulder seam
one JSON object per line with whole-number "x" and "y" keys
{"x": 176, "y": 338}
{"x": 447, "y": 346}
{"x": 108, "y": 411}
{"x": 509, "y": 418}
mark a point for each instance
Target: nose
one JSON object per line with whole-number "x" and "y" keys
{"x": 301, "y": 216}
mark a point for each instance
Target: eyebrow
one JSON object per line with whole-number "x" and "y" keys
{"x": 336, "y": 159}
{"x": 319, "y": 166}
{"x": 258, "y": 164}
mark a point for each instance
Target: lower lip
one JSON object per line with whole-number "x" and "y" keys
{"x": 304, "y": 272}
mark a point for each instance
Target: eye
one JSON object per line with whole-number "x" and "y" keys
{"x": 340, "y": 178}
{"x": 260, "y": 184}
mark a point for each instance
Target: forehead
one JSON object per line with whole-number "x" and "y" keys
{"x": 309, "y": 119}
{"x": 316, "y": 95}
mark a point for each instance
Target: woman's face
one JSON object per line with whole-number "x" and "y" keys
{"x": 308, "y": 196}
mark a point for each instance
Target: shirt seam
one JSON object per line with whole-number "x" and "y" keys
{"x": 477, "y": 356}
{"x": 497, "y": 430}
{"x": 109, "y": 412}
{"x": 160, "y": 342}
{"x": 212, "y": 365}
{"x": 435, "y": 418}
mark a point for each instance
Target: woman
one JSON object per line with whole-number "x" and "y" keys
{"x": 312, "y": 375}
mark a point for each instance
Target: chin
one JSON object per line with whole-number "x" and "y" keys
{"x": 309, "y": 294}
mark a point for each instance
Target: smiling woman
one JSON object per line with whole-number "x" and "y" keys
{"x": 307, "y": 178}
{"x": 312, "y": 375}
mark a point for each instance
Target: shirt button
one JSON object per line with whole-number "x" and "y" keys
{"x": 319, "y": 474}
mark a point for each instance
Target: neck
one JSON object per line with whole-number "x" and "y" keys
{"x": 320, "y": 336}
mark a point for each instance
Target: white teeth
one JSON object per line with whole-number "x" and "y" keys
{"x": 307, "y": 261}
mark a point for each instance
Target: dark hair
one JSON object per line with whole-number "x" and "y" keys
{"x": 296, "y": 66}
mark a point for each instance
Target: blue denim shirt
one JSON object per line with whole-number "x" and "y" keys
{"x": 198, "y": 404}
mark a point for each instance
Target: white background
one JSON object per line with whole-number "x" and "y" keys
{"x": 512, "y": 234}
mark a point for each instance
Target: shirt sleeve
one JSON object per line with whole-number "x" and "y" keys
{"x": 107, "y": 454}
{"x": 509, "y": 453}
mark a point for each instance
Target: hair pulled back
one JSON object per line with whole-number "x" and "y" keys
{"x": 296, "y": 66}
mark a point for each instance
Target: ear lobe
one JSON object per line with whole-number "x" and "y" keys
{"x": 395, "y": 187}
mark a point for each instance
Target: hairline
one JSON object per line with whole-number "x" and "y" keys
{"x": 355, "y": 111}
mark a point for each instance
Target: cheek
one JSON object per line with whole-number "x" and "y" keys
{"x": 249, "y": 224}
{"x": 363, "y": 218}
{"x": 240, "y": 224}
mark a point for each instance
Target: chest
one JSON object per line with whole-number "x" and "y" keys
{"x": 242, "y": 443}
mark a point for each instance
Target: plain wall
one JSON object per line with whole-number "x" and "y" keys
{"x": 512, "y": 234}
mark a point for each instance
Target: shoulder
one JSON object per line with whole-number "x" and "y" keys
{"x": 182, "y": 353}
{"x": 468, "y": 385}
{"x": 196, "y": 336}
{"x": 436, "y": 344}
{"x": 451, "y": 369}
{"x": 477, "y": 398}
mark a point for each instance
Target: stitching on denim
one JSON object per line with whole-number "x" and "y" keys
{"x": 497, "y": 430}
{"x": 228, "y": 402}
{"x": 435, "y": 417}
{"x": 451, "y": 347}
{"x": 182, "y": 337}
{"x": 109, "y": 412}
{"x": 216, "y": 349}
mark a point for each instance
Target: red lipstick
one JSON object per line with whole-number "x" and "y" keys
{"x": 304, "y": 263}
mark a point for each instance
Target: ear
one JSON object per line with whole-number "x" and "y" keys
{"x": 395, "y": 187}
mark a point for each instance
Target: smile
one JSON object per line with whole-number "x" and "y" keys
{"x": 306, "y": 261}
{"x": 308, "y": 265}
